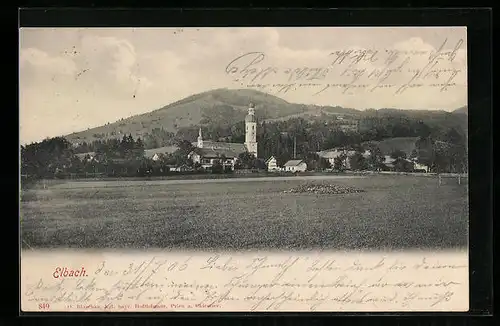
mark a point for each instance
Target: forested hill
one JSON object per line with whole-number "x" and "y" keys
{"x": 463, "y": 109}
{"x": 223, "y": 108}
{"x": 217, "y": 107}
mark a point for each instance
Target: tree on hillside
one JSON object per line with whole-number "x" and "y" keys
{"x": 185, "y": 147}
{"x": 45, "y": 158}
{"x": 138, "y": 151}
{"x": 283, "y": 157}
{"x": 259, "y": 164}
{"x": 376, "y": 158}
{"x": 324, "y": 164}
{"x": 280, "y": 137}
{"x": 358, "y": 162}
{"x": 311, "y": 160}
{"x": 403, "y": 165}
{"x": 76, "y": 165}
{"x": 246, "y": 160}
{"x": 126, "y": 146}
{"x": 180, "y": 156}
{"x": 150, "y": 142}
{"x": 424, "y": 148}
{"x": 423, "y": 130}
{"x": 454, "y": 137}
{"x": 187, "y": 133}
{"x": 339, "y": 162}
{"x": 237, "y": 132}
{"x": 449, "y": 157}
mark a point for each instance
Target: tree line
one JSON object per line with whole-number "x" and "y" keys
{"x": 443, "y": 149}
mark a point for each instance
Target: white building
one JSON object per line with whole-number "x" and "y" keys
{"x": 87, "y": 157}
{"x": 389, "y": 161}
{"x": 156, "y": 154}
{"x": 419, "y": 166}
{"x": 272, "y": 164}
{"x": 295, "y": 166}
{"x": 208, "y": 153}
{"x": 332, "y": 154}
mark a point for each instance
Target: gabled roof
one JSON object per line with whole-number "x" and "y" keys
{"x": 388, "y": 159}
{"x": 83, "y": 155}
{"x": 234, "y": 147}
{"x": 293, "y": 162}
{"x": 215, "y": 152}
{"x": 269, "y": 159}
{"x": 335, "y": 152}
{"x": 149, "y": 153}
{"x": 389, "y": 145}
{"x": 118, "y": 160}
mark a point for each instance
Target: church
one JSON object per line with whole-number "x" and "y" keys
{"x": 207, "y": 153}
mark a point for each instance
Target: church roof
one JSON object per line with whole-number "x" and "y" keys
{"x": 234, "y": 147}
{"x": 212, "y": 152}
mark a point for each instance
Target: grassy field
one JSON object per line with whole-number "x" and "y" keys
{"x": 394, "y": 212}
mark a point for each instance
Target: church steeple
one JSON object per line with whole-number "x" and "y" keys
{"x": 200, "y": 139}
{"x": 250, "y": 130}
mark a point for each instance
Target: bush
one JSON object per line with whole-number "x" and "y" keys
{"x": 217, "y": 168}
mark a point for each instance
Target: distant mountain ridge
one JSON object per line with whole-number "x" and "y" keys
{"x": 224, "y": 107}
{"x": 463, "y": 109}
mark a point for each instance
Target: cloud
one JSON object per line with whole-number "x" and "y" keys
{"x": 86, "y": 77}
{"x": 45, "y": 63}
{"x": 115, "y": 60}
{"x": 414, "y": 44}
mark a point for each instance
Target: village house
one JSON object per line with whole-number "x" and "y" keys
{"x": 272, "y": 164}
{"x": 182, "y": 168}
{"x": 207, "y": 157}
{"x": 86, "y": 157}
{"x": 207, "y": 153}
{"x": 420, "y": 166}
{"x": 389, "y": 162}
{"x": 156, "y": 154}
{"x": 410, "y": 165}
{"x": 295, "y": 166}
{"x": 347, "y": 124}
{"x": 332, "y": 154}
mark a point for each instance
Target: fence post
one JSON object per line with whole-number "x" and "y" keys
{"x": 439, "y": 179}
{"x": 458, "y": 178}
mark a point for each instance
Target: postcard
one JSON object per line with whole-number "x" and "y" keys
{"x": 283, "y": 169}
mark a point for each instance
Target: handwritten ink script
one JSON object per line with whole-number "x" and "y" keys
{"x": 356, "y": 70}
{"x": 274, "y": 282}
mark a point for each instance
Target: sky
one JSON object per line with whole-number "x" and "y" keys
{"x": 72, "y": 79}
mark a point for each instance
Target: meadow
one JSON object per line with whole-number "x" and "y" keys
{"x": 395, "y": 212}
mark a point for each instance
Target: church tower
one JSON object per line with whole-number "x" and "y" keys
{"x": 200, "y": 139}
{"x": 251, "y": 131}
